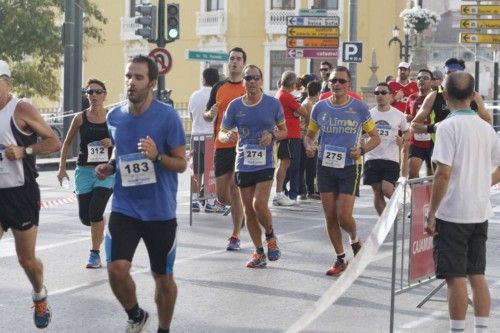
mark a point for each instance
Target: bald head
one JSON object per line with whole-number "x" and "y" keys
{"x": 460, "y": 86}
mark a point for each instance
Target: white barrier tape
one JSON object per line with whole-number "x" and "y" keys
{"x": 356, "y": 266}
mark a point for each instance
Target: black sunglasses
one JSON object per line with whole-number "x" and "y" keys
{"x": 425, "y": 78}
{"x": 95, "y": 91}
{"x": 341, "y": 81}
{"x": 324, "y": 69}
{"x": 382, "y": 92}
{"x": 251, "y": 77}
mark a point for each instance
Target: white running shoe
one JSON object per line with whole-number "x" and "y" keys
{"x": 282, "y": 200}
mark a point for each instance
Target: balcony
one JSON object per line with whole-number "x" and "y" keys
{"x": 128, "y": 29}
{"x": 276, "y": 20}
{"x": 211, "y": 23}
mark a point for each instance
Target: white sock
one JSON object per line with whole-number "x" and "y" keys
{"x": 41, "y": 295}
{"x": 481, "y": 324}
{"x": 355, "y": 240}
{"x": 211, "y": 201}
{"x": 457, "y": 326}
{"x": 195, "y": 196}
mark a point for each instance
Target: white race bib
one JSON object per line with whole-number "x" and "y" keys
{"x": 254, "y": 155}
{"x": 96, "y": 152}
{"x": 422, "y": 136}
{"x": 334, "y": 157}
{"x": 135, "y": 169}
{"x": 3, "y": 160}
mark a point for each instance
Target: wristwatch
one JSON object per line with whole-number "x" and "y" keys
{"x": 28, "y": 150}
{"x": 158, "y": 158}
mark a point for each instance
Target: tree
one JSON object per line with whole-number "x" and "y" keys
{"x": 30, "y": 40}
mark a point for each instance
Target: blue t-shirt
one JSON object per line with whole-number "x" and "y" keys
{"x": 153, "y": 201}
{"x": 341, "y": 127}
{"x": 252, "y": 122}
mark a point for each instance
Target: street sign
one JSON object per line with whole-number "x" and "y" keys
{"x": 312, "y": 42}
{"x": 313, "y": 21}
{"x": 479, "y": 38}
{"x": 312, "y": 53}
{"x": 206, "y": 56}
{"x": 312, "y": 12}
{"x": 480, "y": 10}
{"x": 479, "y": 24}
{"x": 312, "y": 32}
{"x": 163, "y": 60}
{"x": 352, "y": 52}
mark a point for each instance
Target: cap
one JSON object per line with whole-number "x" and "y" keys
{"x": 4, "y": 68}
{"x": 438, "y": 75}
{"x": 404, "y": 65}
{"x": 308, "y": 78}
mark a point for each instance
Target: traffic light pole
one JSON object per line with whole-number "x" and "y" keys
{"x": 161, "y": 42}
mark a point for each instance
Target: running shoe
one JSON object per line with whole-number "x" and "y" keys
{"x": 214, "y": 208}
{"x": 195, "y": 206}
{"x": 258, "y": 260}
{"x": 313, "y": 196}
{"x": 233, "y": 244}
{"x": 138, "y": 326}
{"x": 356, "y": 247}
{"x": 282, "y": 200}
{"x": 273, "y": 251}
{"x": 41, "y": 314}
{"x": 337, "y": 268}
{"x": 94, "y": 260}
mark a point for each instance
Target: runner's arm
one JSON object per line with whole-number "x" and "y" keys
{"x": 418, "y": 123}
{"x": 481, "y": 109}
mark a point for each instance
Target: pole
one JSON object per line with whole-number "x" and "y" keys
{"x": 407, "y": 47}
{"x": 161, "y": 42}
{"x": 69, "y": 58}
{"x": 496, "y": 119}
{"x": 77, "y": 65}
{"x": 353, "y": 36}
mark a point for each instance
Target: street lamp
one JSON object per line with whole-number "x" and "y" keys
{"x": 404, "y": 49}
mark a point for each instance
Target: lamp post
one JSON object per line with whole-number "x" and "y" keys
{"x": 404, "y": 49}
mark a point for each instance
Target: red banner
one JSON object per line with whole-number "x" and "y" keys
{"x": 209, "y": 180}
{"x": 421, "y": 246}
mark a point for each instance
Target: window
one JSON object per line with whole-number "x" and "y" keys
{"x": 278, "y": 64}
{"x": 132, "y": 8}
{"x": 283, "y": 4}
{"x": 326, "y": 4}
{"x": 213, "y": 5}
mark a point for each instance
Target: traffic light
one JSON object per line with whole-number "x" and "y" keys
{"x": 148, "y": 21}
{"x": 172, "y": 21}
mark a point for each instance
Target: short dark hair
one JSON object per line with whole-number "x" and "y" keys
{"x": 326, "y": 63}
{"x": 152, "y": 67}
{"x": 343, "y": 69}
{"x": 211, "y": 76}
{"x": 239, "y": 49}
{"x": 383, "y": 84}
{"x": 313, "y": 88}
{"x": 425, "y": 70}
{"x": 459, "y": 86}
{"x": 454, "y": 61}
{"x": 96, "y": 81}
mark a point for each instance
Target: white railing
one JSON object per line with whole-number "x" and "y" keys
{"x": 276, "y": 20}
{"x": 128, "y": 29}
{"x": 211, "y": 23}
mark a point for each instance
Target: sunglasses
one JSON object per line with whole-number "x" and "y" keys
{"x": 381, "y": 92}
{"x": 249, "y": 78}
{"x": 425, "y": 78}
{"x": 341, "y": 81}
{"x": 95, "y": 91}
{"x": 324, "y": 69}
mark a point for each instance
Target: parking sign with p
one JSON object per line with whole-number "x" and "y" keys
{"x": 352, "y": 52}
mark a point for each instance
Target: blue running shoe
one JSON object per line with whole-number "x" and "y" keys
{"x": 41, "y": 314}
{"x": 94, "y": 260}
{"x": 258, "y": 260}
{"x": 195, "y": 206}
{"x": 234, "y": 244}
{"x": 273, "y": 251}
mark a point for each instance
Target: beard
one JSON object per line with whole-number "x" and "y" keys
{"x": 139, "y": 96}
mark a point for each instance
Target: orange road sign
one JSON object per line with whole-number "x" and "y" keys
{"x": 312, "y": 42}
{"x": 479, "y": 24}
{"x": 480, "y": 9}
{"x": 479, "y": 38}
{"x": 312, "y": 32}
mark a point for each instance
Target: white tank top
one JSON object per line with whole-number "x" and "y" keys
{"x": 11, "y": 172}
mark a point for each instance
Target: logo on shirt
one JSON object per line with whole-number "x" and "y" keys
{"x": 350, "y": 110}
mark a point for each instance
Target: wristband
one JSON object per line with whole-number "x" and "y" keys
{"x": 113, "y": 164}
{"x": 430, "y": 128}
{"x": 362, "y": 150}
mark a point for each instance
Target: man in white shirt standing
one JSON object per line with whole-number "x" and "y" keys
{"x": 200, "y": 129}
{"x": 381, "y": 169}
{"x": 465, "y": 150}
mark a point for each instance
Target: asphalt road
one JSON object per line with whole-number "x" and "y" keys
{"x": 217, "y": 293}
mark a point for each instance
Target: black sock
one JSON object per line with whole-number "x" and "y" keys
{"x": 270, "y": 235}
{"x": 136, "y": 313}
{"x": 341, "y": 257}
{"x": 95, "y": 251}
{"x": 163, "y": 330}
{"x": 260, "y": 250}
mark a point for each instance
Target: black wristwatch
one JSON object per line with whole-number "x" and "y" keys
{"x": 158, "y": 158}
{"x": 362, "y": 150}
